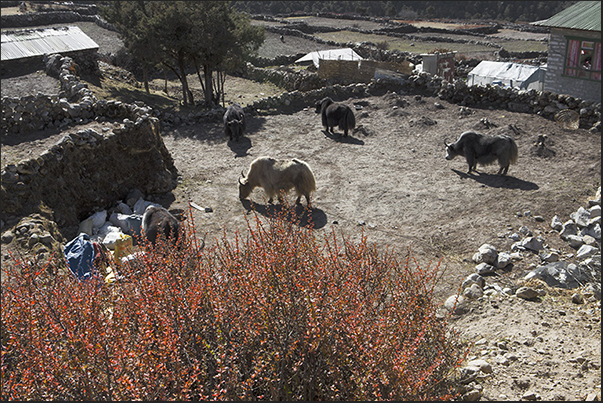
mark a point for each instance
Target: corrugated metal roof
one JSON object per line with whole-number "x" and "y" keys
{"x": 37, "y": 42}
{"x": 584, "y": 15}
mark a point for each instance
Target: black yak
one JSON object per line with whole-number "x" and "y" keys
{"x": 336, "y": 114}
{"x": 484, "y": 149}
{"x": 234, "y": 122}
{"x": 278, "y": 175}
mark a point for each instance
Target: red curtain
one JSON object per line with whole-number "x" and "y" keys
{"x": 572, "y": 58}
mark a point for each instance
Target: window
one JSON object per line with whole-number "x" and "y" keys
{"x": 583, "y": 59}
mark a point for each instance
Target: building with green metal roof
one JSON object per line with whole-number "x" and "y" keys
{"x": 574, "y": 54}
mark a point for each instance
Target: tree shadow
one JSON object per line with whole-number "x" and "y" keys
{"x": 240, "y": 147}
{"x": 498, "y": 181}
{"x": 298, "y": 214}
{"x": 341, "y": 139}
{"x": 254, "y": 124}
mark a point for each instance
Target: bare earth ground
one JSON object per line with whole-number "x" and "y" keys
{"x": 389, "y": 180}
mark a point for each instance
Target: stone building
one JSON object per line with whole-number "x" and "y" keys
{"x": 574, "y": 56}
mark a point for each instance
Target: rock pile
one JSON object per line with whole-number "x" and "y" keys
{"x": 580, "y": 271}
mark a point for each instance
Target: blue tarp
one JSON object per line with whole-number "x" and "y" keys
{"x": 80, "y": 253}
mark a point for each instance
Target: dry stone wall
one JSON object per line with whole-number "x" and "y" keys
{"x": 87, "y": 170}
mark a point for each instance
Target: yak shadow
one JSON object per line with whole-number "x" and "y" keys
{"x": 338, "y": 137}
{"x": 498, "y": 181}
{"x": 240, "y": 147}
{"x": 297, "y": 214}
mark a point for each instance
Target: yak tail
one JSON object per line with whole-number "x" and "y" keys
{"x": 514, "y": 152}
{"x": 349, "y": 120}
{"x": 306, "y": 180}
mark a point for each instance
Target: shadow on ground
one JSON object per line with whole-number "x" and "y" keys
{"x": 299, "y": 214}
{"x": 498, "y": 181}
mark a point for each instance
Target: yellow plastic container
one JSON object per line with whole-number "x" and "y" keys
{"x": 123, "y": 246}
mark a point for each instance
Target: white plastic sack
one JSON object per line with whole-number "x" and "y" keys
{"x": 111, "y": 238}
{"x": 124, "y": 208}
{"x": 99, "y": 218}
{"x": 141, "y": 205}
{"x": 86, "y": 226}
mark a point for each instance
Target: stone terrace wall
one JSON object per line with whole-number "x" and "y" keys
{"x": 87, "y": 171}
{"x": 544, "y": 103}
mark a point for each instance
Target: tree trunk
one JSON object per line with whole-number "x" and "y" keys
{"x": 166, "y": 83}
{"x": 145, "y": 75}
{"x": 208, "y": 86}
{"x": 199, "y": 76}
{"x": 185, "y": 91}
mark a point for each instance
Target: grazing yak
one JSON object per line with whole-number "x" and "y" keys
{"x": 484, "y": 149}
{"x": 234, "y": 122}
{"x": 278, "y": 175}
{"x": 156, "y": 220}
{"x": 336, "y": 114}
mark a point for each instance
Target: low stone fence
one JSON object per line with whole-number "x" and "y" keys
{"x": 544, "y": 103}
{"x": 43, "y": 112}
{"x": 53, "y": 17}
{"x": 86, "y": 171}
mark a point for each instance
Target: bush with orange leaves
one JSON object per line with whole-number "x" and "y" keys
{"x": 273, "y": 315}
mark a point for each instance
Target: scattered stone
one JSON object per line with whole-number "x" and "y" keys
{"x": 556, "y": 223}
{"x": 456, "y": 304}
{"x": 560, "y": 274}
{"x": 483, "y": 365}
{"x": 503, "y": 260}
{"x": 549, "y": 257}
{"x": 473, "y": 292}
{"x": 484, "y": 269}
{"x": 474, "y": 278}
{"x": 586, "y": 251}
{"x": 533, "y": 243}
{"x": 530, "y": 396}
{"x": 575, "y": 241}
{"x": 7, "y": 237}
{"x": 526, "y": 293}
{"x": 486, "y": 254}
{"x": 577, "y": 298}
{"x": 468, "y": 374}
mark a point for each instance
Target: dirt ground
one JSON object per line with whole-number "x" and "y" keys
{"x": 389, "y": 180}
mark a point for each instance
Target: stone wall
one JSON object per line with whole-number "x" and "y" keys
{"x": 544, "y": 103}
{"x": 87, "y": 171}
{"x": 358, "y": 71}
{"x": 554, "y": 79}
{"x": 52, "y": 17}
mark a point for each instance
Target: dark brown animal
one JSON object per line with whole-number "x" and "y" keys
{"x": 484, "y": 149}
{"x": 158, "y": 221}
{"x": 234, "y": 122}
{"x": 336, "y": 114}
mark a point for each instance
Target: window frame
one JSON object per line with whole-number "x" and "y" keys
{"x": 577, "y": 50}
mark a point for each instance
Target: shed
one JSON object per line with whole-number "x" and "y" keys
{"x": 35, "y": 43}
{"x": 509, "y": 74}
{"x": 332, "y": 54}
